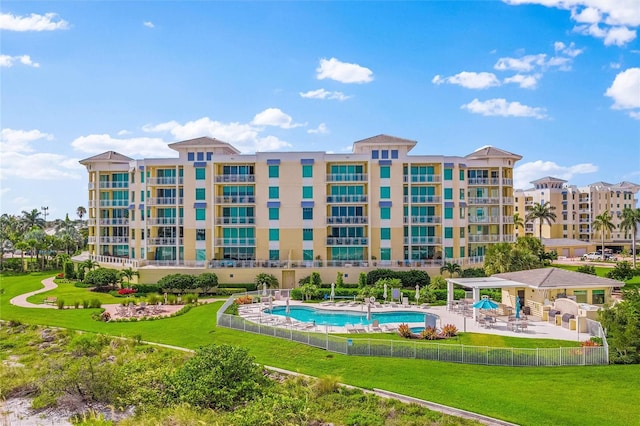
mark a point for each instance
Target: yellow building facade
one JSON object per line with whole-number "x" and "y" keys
{"x": 215, "y": 207}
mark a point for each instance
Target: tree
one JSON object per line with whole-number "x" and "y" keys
{"x": 629, "y": 223}
{"x": 80, "y": 211}
{"x": 89, "y": 264}
{"x": 263, "y": 278}
{"x": 604, "y": 225}
{"x": 505, "y": 257}
{"x": 206, "y": 281}
{"x": 542, "y": 213}
{"x": 622, "y": 322}
{"x": 128, "y": 273}
{"x": 31, "y": 219}
{"x": 102, "y": 277}
{"x": 518, "y": 222}
{"x": 451, "y": 268}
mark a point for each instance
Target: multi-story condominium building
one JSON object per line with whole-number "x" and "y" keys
{"x": 377, "y": 205}
{"x": 576, "y": 209}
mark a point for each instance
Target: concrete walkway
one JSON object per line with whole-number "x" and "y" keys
{"x": 21, "y": 300}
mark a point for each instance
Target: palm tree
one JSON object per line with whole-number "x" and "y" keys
{"x": 129, "y": 273}
{"x": 451, "y": 268}
{"x": 542, "y": 213}
{"x": 518, "y": 222}
{"x": 629, "y": 223}
{"x": 81, "y": 211}
{"x": 32, "y": 219}
{"x": 89, "y": 264}
{"x": 603, "y": 224}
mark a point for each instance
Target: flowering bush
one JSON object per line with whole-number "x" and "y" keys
{"x": 126, "y": 291}
{"x": 405, "y": 331}
{"x": 589, "y": 343}
{"x": 429, "y": 333}
{"x": 449, "y": 330}
{"x": 244, "y": 300}
{"x": 60, "y": 275}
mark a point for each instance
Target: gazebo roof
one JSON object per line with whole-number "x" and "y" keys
{"x": 547, "y": 278}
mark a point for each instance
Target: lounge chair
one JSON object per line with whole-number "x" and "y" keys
{"x": 389, "y": 328}
{"x": 350, "y": 328}
{"x": 376, "y": 326}
{"x": 424, "y": 306}
{"x": 377, "y": 305}
{"x": 359, "y": 328}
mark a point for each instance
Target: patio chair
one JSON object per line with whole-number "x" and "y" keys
{"x": 389, "y": 328}
{"x": 350, "y": 328}
{"x": 377, "y": 305}
{"x": 375, "y": 326}
{"x": 524, "y": 326}
{"x": 359, "y": 328}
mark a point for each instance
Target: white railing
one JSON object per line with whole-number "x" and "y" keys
{"x": 164, "y": 221}
{"x": 114, "y": 260}
{"x": 483, "y": 200}
{"x": 422, "y": 240}
{"x": 422, "y": 178}
{"x": 114, "y": 240}
{"x": 483, "y": 238}
{"x": 422, "y": 219}
{"x": 236, "y": 199}
{"x": 347, "y": 241}
{"x": 237, "y": 220}
{"x": 114, "y": 222}
{"x": 347, "y": 220}
{"x": 165, "y": 241}
{"x": 165, "y": 181}
{"x": 235, "y": 242}
{"x": 113, "y": 185}
{"x": 422, "y": 199}
{"x": 483, "y": 181}
{"x": 347, "y": 177}
{"x": 163, "y": 201}
{"x": 346, "y": 199}
{"x": 235, "y": 178}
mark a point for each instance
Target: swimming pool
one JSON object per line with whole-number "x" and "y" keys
{"x": 340, "y": 318}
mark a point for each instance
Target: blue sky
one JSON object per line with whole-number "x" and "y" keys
{"x": 556, "y": 81}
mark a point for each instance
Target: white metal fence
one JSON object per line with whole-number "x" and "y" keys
{"x": 420, "y": 349}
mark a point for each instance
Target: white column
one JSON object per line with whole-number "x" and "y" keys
{"x": 449, "y": 294}
{"x": 476, "y": 298}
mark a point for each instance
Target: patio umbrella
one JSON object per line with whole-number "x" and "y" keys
{"x": 368, "y": 311}
{"x": 517, "y": 306}
{"x": 264, "y": 289}
{"x": 287, "y": 310}
{"x": 417, "y": 293}
{"x": 333, "y": 291}
{"x": 385, "y": 292}
{"x": 485, "y": 303}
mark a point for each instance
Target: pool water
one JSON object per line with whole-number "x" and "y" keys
{"x": 340, "y": 318}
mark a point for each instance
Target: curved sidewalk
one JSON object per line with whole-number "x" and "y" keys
{"x": 21, "y": 300}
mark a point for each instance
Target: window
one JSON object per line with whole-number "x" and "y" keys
{"x": 274, "y": 213}
{"x": 201, "y": 214}
{"x": 448, "y": 232}
{"x": 274, "y": 192}
{"x": 307, "y": 234}
{"x": 385, "y": 213}
{"x": 200, "y": 194}
{"x": 190, "y": 156}
{"x": 274, "y": 171}
{"x": 394, "y": 153}
{"x": 448, "y": 174}
{"x": 200, "y": 156}
{"x": 462, "y": 251}
{"x": 385, "y": 172}
{"x": 307, "y": 213}
{"x": 461, "y": 232}
{"x": 385, "y": 254}
{"x": 375, "y": 154}
{"x": 274, "y": 235}
{"x": 307, "y": 254}
{"x": 461, "y": 174}
{"x": 597, "y": 297}
{"x": 385, "y": 192}
{"x": 462, "y": 194}
{"x": 141, "y": 195}
{"x": 581, "y": 296}
{"x": 307, "y": 192}
{"x": 307, "y": 171}
{"x": 448, "y": 194}
{"x": 274, "y": 254}
{"x": 201, "y": 234}
{"x": 448, "y": 213}
{"x": 385, "y": 153}
{"x": 385, "y": 233}
{"x": 209, "y": 156}
{"x": 448, "y": 252}
{"x": 200, "y": 173}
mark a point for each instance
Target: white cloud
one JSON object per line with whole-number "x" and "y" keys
{"x": 8, "y": 61}
{"x": 625, "y": 92}
{"x": 39, "y": 166}
{"x": 527, "y": 172}
{"x": 501, "y": 107}
{"x": 570, "y": 50}
{"x": 33, "y": 22}
{"x": 148, "y": 24}
{"x": 324, "y": 94}
{"x": 615, "y": 65}
{"x": 321, "y": 129}
{"x": 470, "y": 80}
{"x": 525, "y": 81}
{"x": 274, "y": 117}
{"x": 141, "y": 146}
{"x": 123, "y": 132}
{"x": 616, "y": 16}
{"x": 19, "y": 140}
{"x": 523, "y": 64}
{"x": 343, "y": 72}
{"x": 245, "y": 137}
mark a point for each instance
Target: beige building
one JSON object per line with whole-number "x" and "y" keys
{"x": 212, "y": 206}
{"x": 576, "y": 209}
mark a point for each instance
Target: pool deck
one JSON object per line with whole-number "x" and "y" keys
{"x": 537, "y": 329}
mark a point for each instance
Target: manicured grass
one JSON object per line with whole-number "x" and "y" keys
{"x": 601, "y": 271}
{"x": 523, "y": 395}
{"x": 70, "y": 294}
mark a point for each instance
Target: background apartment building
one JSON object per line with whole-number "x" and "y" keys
{"x": 378, "y": 205}
{"x": 576, "y": 209}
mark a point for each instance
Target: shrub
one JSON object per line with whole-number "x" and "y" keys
{"x": 69, "y": 270}
{"x": 340, "y": 279}
{"x": 244, "y": 300}
{"x": 232, "y": 309}
{"x": 60, "y": 275}
{"x": 126, "y": 291}
{"x": 429, "y": 333}
{"x": 219, "y": 377}
{"x": 95, "y": 303}
{"x": 315, "y": 279}
{"x": 405, "y": 331}
{"x": 146, "y": 288}
{"x": 178, "y": 282}
{"x": 14, "y": 265}
{"x": 85, "y": 304}
{"x": 263, "y": 278}
{"x": 102, "y": 277}
{"x": 206, "y": 281}
{"x": 587, "y": 269}
{"x": 60, "y": 303}
{"x": 362, "y": 279}
{"x": 589, "y": 343}
{"x": 622, "y": 272}
{"x": 190, "y": 298}
{"x": 449, "y": 330}
{"x": 473, "y": 273}
{"x": 326, "y": 385}
{"x": 76, "y": 304}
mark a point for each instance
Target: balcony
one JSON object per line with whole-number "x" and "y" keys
{"x": 114, "y": 240}
{"x": 347, "y": 241}
{"x": 483, "y": 201}
{"x": 347, "y": 220}
{"x": 154, "y": 221}
{"x": 422, "y": 219}
{"x": 164, "y": 201}
{"x": 484, "y": 219}
{"x": 476, "y": 238}
{"x": 347, "y": 199}
{"x": 114, "y": 222}
{"x": 239, "y": 220}
{"x": 484, "y": 181}
{"x": 165, "y": 241}
{"x": 236, "y": 199}
{"x": 422, "y": 240}
{"x": 112, "y": 203}
{"x": 347, "y": 177}
{"x": 165, "y": 181}
{"x": 507, "y": 200}
{"x": 109, "y": 185}
{"x": 422, "y": 199}
{"x": 423, "y": 178}
{"x": 235, "y": 178}
{"x": 235, "y": 242}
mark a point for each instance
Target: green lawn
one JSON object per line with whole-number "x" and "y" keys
{"x": 601, "y": 271}
{"x": 70, "y": 294}
{"x": 523, "y": 395}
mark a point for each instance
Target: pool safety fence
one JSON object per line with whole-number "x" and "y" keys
{"x": 420, "y": 349}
